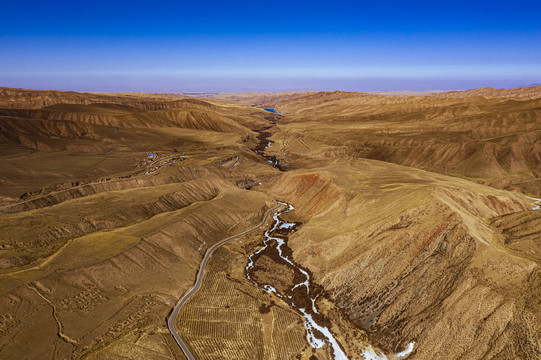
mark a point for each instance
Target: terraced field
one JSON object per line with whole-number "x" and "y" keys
{"x": 229, "y": 317}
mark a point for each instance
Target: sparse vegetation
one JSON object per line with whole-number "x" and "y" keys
{"x": 415, "y": 226}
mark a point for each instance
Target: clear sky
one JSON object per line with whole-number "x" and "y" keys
{"x": 209, "y": 46}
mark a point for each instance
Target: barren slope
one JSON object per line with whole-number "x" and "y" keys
{"x": 496, "y": 141}
{"x": 413, "y": 256}
{"x": 411, "y": 211}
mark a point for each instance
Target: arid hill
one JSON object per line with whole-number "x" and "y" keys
{"x": 493, "y": 139}
{"x": 410, "y": 215}
{"x": 532, "y": 92}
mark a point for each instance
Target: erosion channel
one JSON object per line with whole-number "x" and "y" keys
{"x": 302, "y": 294}
{"x": 264, "y": 143}
{"x": 272, "y": 269}
{"x": 289, "y": 281}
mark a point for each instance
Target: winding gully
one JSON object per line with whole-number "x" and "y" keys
{"x": 303, "y": 294}
{"x": 264, "y": 142}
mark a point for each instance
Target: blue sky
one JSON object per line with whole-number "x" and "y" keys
{"x": 178, "y": 46}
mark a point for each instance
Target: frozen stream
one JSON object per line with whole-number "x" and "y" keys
{"x": 536, "y": 204}
{"x": 318, "y": 335}
{"x": 303, "y": 295}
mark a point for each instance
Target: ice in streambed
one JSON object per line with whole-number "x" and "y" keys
{"x": 304, "y": 283}
{"x": 370, "y": 354}
{"x": 312, "y": 327}
{"x": 310, "y": 324}
{"x": 409, "y": 349}
{"x": 537, "y": 203}
{"x": 316, "y": 343}
{"x": 270, "y": 289}
{"x": 314, "y": 305}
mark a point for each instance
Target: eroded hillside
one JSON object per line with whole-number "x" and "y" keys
{"x": 409, "y": 216}
{"x": 485, "y": 135}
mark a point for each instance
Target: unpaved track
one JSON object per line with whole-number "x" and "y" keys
{"x": 173, "y": 315}
{"x": 302, "y": 142}
{"x": 285, "y": 144}
{"x": 165, "y": 158}
{"x": 97, "y": 182}
{"x": 236, "y": 160}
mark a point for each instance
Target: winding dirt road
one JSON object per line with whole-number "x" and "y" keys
{"x": 172, "y": 316}
{"x": 236, "y": 160}
{"x": 284, "y": 145}
{"x": 302, "y": 142}
{"x": 166, "y": 158}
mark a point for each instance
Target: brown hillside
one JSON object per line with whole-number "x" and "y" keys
{"x": 410, "y": 228}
